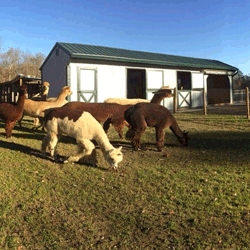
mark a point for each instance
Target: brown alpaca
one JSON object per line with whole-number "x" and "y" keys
{"x": 142, "y": 115}
{"x": 11, "y": 112}
{"x": 37, "y": 108}
{"x": 160, "y": 94}
{"x": 112, "y": 113}
{"x": 109, "y": 113}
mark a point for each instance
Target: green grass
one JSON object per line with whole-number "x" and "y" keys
{"x": 194, "y": 197}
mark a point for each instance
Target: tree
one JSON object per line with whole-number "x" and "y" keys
{"x": 241, "y": 81}
{"x": 14, "y": 62}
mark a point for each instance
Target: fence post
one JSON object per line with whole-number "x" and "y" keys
{"x": 247, "y": 101}
{"x": 175, "y": 101}
{"x": 204, "y": 102}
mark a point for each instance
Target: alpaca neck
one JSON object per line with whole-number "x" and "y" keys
{"x": 157, "y": 98}
{"x": 103, "y": 142}
{"x": 21, "y": 100}
{"x": 61, "y": 97}
{"x": 176, "y": 129}
{"x": 45, "y": 93}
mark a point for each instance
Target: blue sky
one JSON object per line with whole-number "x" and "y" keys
{"x": 218, "y": 30}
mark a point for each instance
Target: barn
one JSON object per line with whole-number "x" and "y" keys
{"x": 96, "y": 73}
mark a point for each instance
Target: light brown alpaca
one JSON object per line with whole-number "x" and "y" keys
{"x": 43, "y": 95}
{"x": 37, "y": 108}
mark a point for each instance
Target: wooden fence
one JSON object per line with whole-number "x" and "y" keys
{"x": 185, "y": 96}
{"x": 9, "y": 91}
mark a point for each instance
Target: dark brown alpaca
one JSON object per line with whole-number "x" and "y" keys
{"x": 11, "y": 112}
{"x": 112, "y": 113}
{"x": 109, "y": 113}
{"x": 142, "y": 115}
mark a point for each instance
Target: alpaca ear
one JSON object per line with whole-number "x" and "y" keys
{"x": 120, "y": 148}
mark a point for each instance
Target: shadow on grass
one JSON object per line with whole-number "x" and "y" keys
{"x": 220, "y": 140}
{"x": 37, "y": 153}
{"x": 21, "y": 148}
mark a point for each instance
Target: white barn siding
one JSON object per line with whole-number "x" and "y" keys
{"x": 54, "y": 71}
{"x": 111, "y": 80}
{"x": 197, "y": 96}
{"x": 170, "y": 79}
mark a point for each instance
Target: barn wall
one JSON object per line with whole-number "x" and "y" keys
{"x": 197, "y": 83}
{"x": 54, "y": 71}
{"x": 111, "y": 80}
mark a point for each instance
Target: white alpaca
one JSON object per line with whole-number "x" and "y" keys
{"x": 159, "y": 95}
{"x": 125, "y": 101}
{"x": 84, "y": 128}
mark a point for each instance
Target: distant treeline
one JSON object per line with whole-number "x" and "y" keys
{"x": 14, "y": 62}
{"x": 241, "y": 81}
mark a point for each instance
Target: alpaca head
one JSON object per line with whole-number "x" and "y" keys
{"x": 114, "y": 156}
{"x": 184, "y": 138}
{"x": 164, "y": 92}
{"x": 45, "y": 88}
{"x": 66, "y": 90}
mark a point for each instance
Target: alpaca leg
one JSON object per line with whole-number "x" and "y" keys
{"x": 50, "y": 141}
{"x": 118, "y": 127}
{"x": 159, "y": 132}
{"x": 52, "y": 145}
{"x": 136, "y": 140}
{"x": 86, "y": 150}
{"x": 20, "y": 121}
{"x": 9, "y": 125}
{"x": 45, "y": 143}
{"x": 36, "y": 122}
{"x": 106, "y": 125}
{"x": 134, "y": 135}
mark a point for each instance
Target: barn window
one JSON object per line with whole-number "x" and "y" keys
{"x": 57, "y": 51}
{"x": 183, "y": 80}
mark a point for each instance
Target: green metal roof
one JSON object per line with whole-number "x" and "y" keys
{"x": 83, "y": 51}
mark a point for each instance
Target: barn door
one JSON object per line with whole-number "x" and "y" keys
{"x": 136, "y": 83}
{"x": 86, "y": 89}
{"x": 154, "y": 82}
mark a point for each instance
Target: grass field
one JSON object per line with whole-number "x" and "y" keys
{"x": 195, "y": 197}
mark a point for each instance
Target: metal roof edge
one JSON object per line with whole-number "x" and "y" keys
{"x": 153, "y": 62}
